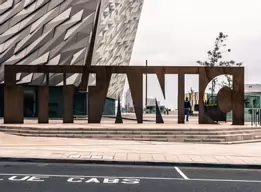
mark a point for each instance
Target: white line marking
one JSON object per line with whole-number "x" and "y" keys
{"x": 93, "y": 176}
{"x": 146, "y": 178}
{"x": 226, "y": 180}
{"x": 181, "y": 173}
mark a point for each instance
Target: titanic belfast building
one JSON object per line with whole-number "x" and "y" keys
{"x": 66, "y": 32}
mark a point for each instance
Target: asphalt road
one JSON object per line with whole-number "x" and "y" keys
{"x": 30, "y": 177}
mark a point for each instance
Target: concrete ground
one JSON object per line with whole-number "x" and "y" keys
{"x": 171, "y": 131}
{"x": 129, "y": 121}
{"x": 131, "y": 151}
{"x": 98, "y": 178}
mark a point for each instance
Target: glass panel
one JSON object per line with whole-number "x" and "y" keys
{"x": 252, "y": 101}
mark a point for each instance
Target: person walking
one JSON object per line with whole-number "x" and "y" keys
{"x": 187, "y": 107}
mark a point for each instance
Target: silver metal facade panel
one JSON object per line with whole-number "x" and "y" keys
{"x": 58, "y": 32}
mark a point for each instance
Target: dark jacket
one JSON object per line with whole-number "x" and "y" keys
{"x": 187, "y": 105}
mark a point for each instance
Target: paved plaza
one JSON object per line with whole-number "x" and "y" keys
{"x": 134, "y": 151}
{"x": 170, "y": 131}
{"x": 126, "y": 150}
{"x": 129, "y": 121}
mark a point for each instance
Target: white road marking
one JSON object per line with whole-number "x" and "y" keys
{"x": 181, "y": 173}
{"x": 145, "y": 178}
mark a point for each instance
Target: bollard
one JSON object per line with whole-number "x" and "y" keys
{"x": 251, "y": 112}
{"x": 259, "y": 117}
{"x": 254, "y": 116}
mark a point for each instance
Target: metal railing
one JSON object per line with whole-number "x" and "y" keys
{"x": 255, "y": 117}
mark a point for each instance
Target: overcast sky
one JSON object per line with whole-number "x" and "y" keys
{"x": 180, "y": 32}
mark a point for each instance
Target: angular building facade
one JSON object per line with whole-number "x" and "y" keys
{"x": 67, "y": 32}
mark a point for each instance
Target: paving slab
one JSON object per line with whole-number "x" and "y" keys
{"x": 170, "y": 122}
{"x": 129, "y": 151}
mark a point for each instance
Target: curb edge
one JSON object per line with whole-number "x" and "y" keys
{"x": 136, "y": 163}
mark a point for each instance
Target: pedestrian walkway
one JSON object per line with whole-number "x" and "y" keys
{"x": 170, "y": 122}
{"x": 134, "y": 151}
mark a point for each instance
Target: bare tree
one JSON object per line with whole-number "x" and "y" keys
{"x": 214, "y": 58}
{"x": 192, "y": 91}
{"x": 229, "y": 80}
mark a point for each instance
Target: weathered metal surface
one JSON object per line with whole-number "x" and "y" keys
{"x": 43, "y": 104}
{"x": 225, "y": 99}
{"x": 238, "y": 97}
{"x": 14, "y": 105}
{"x": 161, "y": 78}
{"x": 181, "y": 92}
{"x": 97, "y": 94}
{"x": 206, "y": 74}
{"x": 159, "y": 118}
{"x": 135, "y": 78}
{"x": 118, "y": 116}
{"x": 68, "y": 100}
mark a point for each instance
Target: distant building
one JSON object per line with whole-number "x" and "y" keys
{"x": 151, "y": 102}
{"x": 252, "y": 96}
{"x": 253, "y": 88}
{"x": 151, "y": 106}
{"x": 66, "y": 32}
{"x": 128, "y": 102}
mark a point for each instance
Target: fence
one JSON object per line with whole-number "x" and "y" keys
{"x": 255, "y": 117}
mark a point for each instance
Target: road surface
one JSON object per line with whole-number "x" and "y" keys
{"x": 38, "y": 177}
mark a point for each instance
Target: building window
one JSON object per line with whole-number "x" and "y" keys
{"x": 252, "y": 101}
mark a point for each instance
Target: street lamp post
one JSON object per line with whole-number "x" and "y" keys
{"x": 146, "y": 89}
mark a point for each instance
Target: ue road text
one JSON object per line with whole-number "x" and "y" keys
{"x": 105, "y": 180}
